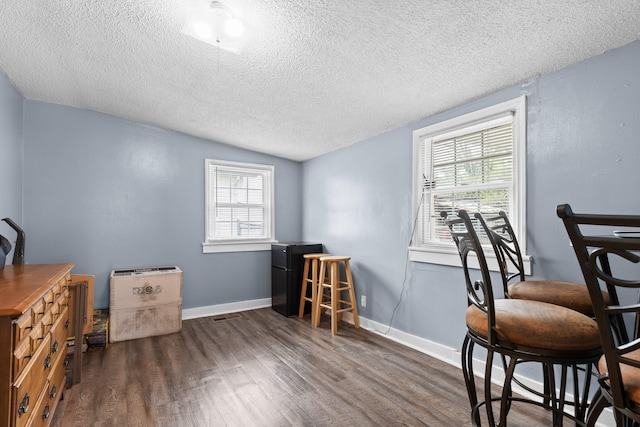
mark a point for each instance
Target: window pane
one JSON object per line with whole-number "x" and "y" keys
{"x": 471, "y": 171}
{"x": 223, "y": 229}
{"x": 478, "y": 158}
{"x": 239, "y": 201}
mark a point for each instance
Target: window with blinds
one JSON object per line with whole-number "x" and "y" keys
{"x": 475, "y": 162}
{"x": 471, "y": 170}
{"x": 239, "y": 202}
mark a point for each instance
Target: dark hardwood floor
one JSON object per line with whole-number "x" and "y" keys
{"x": 259, "y": 368}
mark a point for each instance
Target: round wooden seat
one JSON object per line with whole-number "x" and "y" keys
{"x": 535, "y": 324}
{"x": 630, "y": 375}
{"x": 566, "y": 294}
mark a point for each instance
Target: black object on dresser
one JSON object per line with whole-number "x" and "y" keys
{"x": 286, "y": 274}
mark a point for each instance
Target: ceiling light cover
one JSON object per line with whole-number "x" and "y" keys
{"x": 214, "y": 23}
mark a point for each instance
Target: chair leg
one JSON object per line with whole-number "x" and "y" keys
{"x": 352, "y": 295}
{"x": 303, "y": 290}
{"x": 469, "y": 379}
{"x": 582, "y": 400}
{"x": 335, "y": 297}
{"x": 598, "y": 403}
{"x": 505, "y": 401}
{"x": 559, "y": 399}
{"x": 315, "y": 282}
{"x": 488, "y": 369}
{"x": 320, "y": 294}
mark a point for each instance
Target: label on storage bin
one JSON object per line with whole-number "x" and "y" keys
{"x": 146, "y": 290}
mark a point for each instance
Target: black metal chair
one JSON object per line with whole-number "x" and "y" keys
{"x": 507, "y": 250}
{"x": 520, "y": 331}
{"x": 608, "y": 251}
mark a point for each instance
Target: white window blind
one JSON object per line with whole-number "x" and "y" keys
{"x": 471, "y": 168}
{"x": 476, "y": 162}
{"x": 239, "y": 202}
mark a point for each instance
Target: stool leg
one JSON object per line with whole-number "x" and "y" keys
{"x": 303, "y": 289}
{"x": 352, "y": 294}
{"x": 314, "y": 288}
{"x": 335, "y": 297}
{"x": 316, "y": 311}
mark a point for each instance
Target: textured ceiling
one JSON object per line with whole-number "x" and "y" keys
{"x": 315, "y": 76}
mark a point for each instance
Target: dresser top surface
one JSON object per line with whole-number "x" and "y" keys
{"x": 22, "y": 285}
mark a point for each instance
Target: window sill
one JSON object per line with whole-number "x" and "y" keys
{"x": 210, "y": 248}
{"x": 443, "y": 255}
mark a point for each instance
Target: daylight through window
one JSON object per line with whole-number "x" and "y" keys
{"x": 474, "y": 162}
{"x": 239, "y": 202}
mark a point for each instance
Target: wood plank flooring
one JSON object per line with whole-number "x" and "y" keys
{"x": 259, "y": 368}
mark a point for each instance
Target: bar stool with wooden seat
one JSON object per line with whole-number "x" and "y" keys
{"x": 521, "y": 331}
{"x": 335, "y": 304}
{"x": 609, "y": 260}
{"x": 507, "y": 250}
{"x": 310, "y": 276}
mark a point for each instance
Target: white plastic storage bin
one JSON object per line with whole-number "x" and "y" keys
{"x": 144, "y": 302}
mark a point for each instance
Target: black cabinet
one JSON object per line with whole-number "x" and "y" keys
{"x": 287, "y": 263}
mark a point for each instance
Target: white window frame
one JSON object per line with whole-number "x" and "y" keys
{"x": 214, "y": 245}
{"x": 446, "y": 253}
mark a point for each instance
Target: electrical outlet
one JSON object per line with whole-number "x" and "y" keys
{"x": 363, "y": 300}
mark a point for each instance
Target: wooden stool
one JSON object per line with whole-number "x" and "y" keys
{"x": 313, "y": 279}
{"x": 335, "y": 304}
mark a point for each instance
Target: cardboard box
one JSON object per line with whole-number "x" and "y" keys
{"x": 145, "y": 302}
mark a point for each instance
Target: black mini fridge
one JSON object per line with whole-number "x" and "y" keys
{"x": 287, "y": 264}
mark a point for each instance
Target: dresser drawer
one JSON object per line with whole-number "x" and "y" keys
{"x": 48, "y": 299}
{"x": 29, "y": 385}
{"x": 57, "y": 382}
{"x": 64, "y": 283}
{"x": 38, "y": 310}
{"x": 21, "y": 357}
{"x": 59, "y": 334}
{"x": 36, "y": 336}
{"x": 22, "y": 327}
{"x": 41, "y": 411}
{"x": 57, "y": 289}
{"x": 47, "y": 321}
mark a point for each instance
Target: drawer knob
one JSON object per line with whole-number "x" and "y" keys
{"x": 45, "y": 412}
{"x": 53, "y": 393}
{"x": 54, "y": 347}
{"x": 24, "y": 405}
{"x": 47, "y": 362}
{"x": 66, "y": 362}
{"x": 66, "y": 324}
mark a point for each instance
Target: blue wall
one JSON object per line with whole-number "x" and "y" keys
{"x": 583, "y": 148}
{"x": 11, "y": 159}
{"x": 105, "y": 194}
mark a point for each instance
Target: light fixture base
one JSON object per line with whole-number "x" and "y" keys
{"x": 214, "y": 23}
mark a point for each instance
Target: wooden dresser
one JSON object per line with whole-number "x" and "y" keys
{"x": 34, "y": 326}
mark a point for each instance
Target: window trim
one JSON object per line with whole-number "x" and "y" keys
{"x": 447, "y": 254}
{"x": 240, "y": 245}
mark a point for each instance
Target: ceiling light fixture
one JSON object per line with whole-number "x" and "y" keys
{"x": 214, "y": 23}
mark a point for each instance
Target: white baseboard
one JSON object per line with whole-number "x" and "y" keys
{"x": 216, "y": 310}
